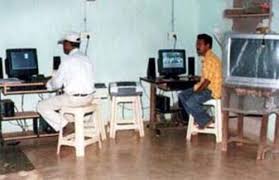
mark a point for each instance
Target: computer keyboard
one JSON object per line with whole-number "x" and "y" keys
{"x": 39, "y": 79}
{"x": 9, "y": 80}
{"x": 26, "y": 88}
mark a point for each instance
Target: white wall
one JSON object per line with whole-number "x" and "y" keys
{"x": 124, "y": 32}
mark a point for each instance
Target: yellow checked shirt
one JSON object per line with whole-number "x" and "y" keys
{"x": 212, "y": 70}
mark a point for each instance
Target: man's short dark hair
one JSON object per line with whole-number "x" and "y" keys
{"x": 76, "y": 45}
{"x": 206, "y": 38}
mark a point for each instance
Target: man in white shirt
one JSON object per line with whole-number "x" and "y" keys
{"x": 75, "y": 76}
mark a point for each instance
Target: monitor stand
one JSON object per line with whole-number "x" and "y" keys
{"x": 26, "y": 79}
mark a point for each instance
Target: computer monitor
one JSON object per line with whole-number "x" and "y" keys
{"x": 21, "y": 63}
{"x": 171, "y": 62}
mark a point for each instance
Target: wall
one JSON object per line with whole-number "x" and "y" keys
{"x": 124, "y": 32}
{"x": 128, "y": 32}
{"x": 211, "y": 19}
{"x": 38, "y": 24}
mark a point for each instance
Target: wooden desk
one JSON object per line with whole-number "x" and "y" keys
{"x": 259, "y": 94}
{"x": 5, "y": 88}
{"x": 166, "y": 85}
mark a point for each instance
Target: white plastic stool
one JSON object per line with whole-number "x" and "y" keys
{"x": 215, "y": 128}
{"x": 119, "y": 124}
{"x": 83, "y": 135}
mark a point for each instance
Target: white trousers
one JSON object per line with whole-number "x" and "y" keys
{"x": 47, "y": 108}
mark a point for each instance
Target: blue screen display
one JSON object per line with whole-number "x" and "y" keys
{"x": 23, "y": 60}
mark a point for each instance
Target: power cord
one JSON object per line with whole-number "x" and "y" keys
{"x": 87, "y": 43}
{"x": 23, "y": 125}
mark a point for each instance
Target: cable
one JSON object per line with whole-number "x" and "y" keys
{"x": 87, "y": 43}
{"x": 85, "y": 25}
{"x": 172, "y": 16}
{"x": 85, "y": 16}
{"x": 174, "y": 36}
{"x": 19, "y": 123}
{"x": 22, "y": 102}
{"x": 41, "y": 96}
{"x": 175, "y": 41}
{"x": 144, "y": 90}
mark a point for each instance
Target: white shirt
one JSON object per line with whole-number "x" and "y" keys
{"x": 75, "y": 74}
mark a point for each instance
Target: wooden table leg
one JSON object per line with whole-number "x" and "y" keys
{"x": 35, "y": 126}
{"x": 225, "y": 126}
{"x": 240, "y": 128}
{"x": 225, "y": 130}
{"x": 152, "y": 113}
{"x": 1, "y": 136}
{"x": 263, "y": 138}
{"x": 276, "y": 135}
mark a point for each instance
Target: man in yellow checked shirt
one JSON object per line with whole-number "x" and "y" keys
{"x": 209, "y": 86}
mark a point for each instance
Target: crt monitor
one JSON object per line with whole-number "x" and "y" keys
{"x": 171, "y": 62}
{"x": 21, "y": 63}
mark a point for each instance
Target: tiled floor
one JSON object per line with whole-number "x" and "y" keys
{"x": 151, "y": 158}
{"x": 10, "y": 164}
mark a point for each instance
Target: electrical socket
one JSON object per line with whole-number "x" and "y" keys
{"x": 85, "y": 34}
{"x": 172, "y": 35}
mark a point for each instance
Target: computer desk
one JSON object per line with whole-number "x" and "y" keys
{"x": 184, "y": 82}
{"x": 4, "y": 87}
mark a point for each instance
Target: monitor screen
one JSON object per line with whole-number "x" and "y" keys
{"x": 252, "y": 60}
{"x": 21, "y": 63}
{"x": 23, "y": 60}
{"x": 171, "y": 62}
{"x": 172, "y": 59}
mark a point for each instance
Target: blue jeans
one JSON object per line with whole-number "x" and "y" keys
{"x": 192, "y": 103}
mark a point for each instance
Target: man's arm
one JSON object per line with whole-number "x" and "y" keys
{"x": 202, "y": 85}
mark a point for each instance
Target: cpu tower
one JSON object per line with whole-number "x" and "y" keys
{"x": 191, "y": 66}
{"x": 162, "y": 103}
{"x": 151, "y": 69}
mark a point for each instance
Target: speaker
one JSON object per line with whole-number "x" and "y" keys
{"x": 191, "y": 66}
{"x": 7, "y": 108}
{"x": 151, "y": 69}
{"x": 1, "y": 68}
{"x": 56, "y": 62}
